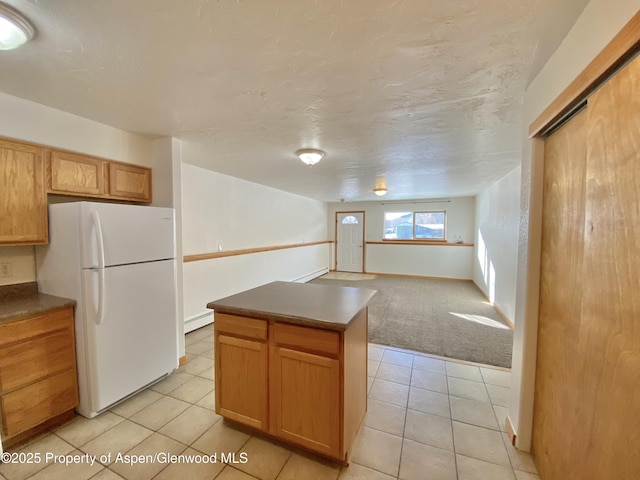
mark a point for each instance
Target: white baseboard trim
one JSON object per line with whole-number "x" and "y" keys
{"x": 198, "y": 321}
{"x": 311, "y": 276}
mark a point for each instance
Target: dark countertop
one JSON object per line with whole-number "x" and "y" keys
{"x": 23, "y": 301}
{"x": 322, "y": 306}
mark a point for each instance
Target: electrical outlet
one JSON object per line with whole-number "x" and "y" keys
{"x": 5, "y": 269}
{"x": 219, "y": 247}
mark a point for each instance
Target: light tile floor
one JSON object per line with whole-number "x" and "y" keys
{"x": 427, "y": 419}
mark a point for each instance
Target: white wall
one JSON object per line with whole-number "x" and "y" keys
{"x": 219, "y": 210}
{"x": 32, "y": 122}
{"x": 599, "y": 23}
{"x": 23, "y": 265}
{"x": 167, "y": 192}
{"x": 420, "y": 260}
{"x": 496, "y": 241}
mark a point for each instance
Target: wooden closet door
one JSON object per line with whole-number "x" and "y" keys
{"x": 611, "y": 299}
{"x": 587, "y": 398}
{"x": 559, "y": 375}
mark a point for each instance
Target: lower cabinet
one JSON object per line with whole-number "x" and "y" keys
{"x": 305, "y": 399}
{"x": 289, "y": 381}
{"x": 242, "y": 389}
{"x": 38, "y": 380}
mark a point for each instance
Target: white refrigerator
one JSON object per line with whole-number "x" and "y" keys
{"x": 118, "y": 262}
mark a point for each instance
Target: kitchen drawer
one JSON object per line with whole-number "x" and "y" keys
{"x": 305, "y": 338}
{"x": 31, "y": 360}
{"x": 241, "y": 326}
{"x": 28, "y": 328}
{"x": 40, "y": 401}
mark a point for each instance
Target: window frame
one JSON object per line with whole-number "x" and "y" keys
{"x": 413, "y": 238}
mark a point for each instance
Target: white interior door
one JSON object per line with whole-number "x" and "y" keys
{"x": 350, "y": 248}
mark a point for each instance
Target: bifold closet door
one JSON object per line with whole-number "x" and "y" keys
{"x": 587, "y": 398}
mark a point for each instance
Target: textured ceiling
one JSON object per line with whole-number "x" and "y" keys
{"x": 424, "y": 97}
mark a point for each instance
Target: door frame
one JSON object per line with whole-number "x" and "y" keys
{"x": 620, "y": 49}
{"x": 335, "y": 243}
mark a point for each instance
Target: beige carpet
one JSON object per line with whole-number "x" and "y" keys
{"x": 441, "y": 317}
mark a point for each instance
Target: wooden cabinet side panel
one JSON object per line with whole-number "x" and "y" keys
{"x": 354, "y": 387}
{"x": 40, "y": 401}
{"x": 241, "y": 380}
{"x": 79, "y": 174}
{"x": 305, "y": 400}
{"x": 129, "y": 182}
{"x": 23, "y": 203}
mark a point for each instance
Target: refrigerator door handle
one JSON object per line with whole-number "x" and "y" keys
{"x": 101, "y": 296}
{"x": 99, "y": 238}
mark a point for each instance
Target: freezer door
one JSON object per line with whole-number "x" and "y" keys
{"x": 114, "y": 234}
{"x": 130, "y": 330}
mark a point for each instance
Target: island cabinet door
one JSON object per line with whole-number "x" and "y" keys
{"x": 305, "y": 400}
{"x": 241, "y": 380}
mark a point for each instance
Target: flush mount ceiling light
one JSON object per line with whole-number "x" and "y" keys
{"x": 310, "y": 156}
{"x": 15, "y": 29}
{"x": 381, "y": 192}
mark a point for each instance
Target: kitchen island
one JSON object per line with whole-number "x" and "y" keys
{"x": 291, "y": 362}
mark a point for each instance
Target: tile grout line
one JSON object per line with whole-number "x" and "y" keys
{"x": 453, "y": 437}
{"x": 404, "y": 427}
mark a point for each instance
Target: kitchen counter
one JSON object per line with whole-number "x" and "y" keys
{"x": 23, "y": 301}
{"x": 39, "y": 387}
{"x": 291, "y": 362}
{"x": 323, "y": 306}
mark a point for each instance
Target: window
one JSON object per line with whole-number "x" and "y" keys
{"x": 349, "y": 219}
{"x": 415, "y": 225}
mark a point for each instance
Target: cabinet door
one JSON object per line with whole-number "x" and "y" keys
{"x": 23, "y": 209}
{"x": 76, "y": 174}
{"x": 241, "y": 380}
{"x": 130, "y": 182}
{"x": 305, "y": 399}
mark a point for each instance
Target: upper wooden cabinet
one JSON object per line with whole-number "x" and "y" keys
{"x": 85, "y": 176}
{"x": 28, "y": 172}
{"x": 76, "y": 174}
{"x": 23, "y": 202}
{"x": 129, "y": 182}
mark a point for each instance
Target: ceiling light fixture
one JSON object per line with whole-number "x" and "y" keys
{"x": 310, "y": 156}
{"x": 380, "y": 191}
{"x": 15, "y": 29}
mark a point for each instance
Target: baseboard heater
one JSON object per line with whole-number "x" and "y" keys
{"x": 198, "y": 321}
{"x": 310, "y": 276}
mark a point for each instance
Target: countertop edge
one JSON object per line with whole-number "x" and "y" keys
{"x": 32, "y": 309}
{"x": 293, "y": 320}
{"x": 328, "y": 307}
